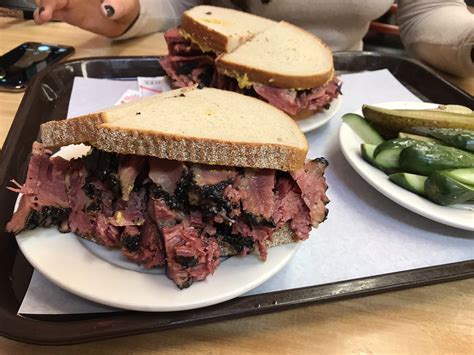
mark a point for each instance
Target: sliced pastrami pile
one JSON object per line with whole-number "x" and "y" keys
{"x": 164, "y": 207}
{"x": 103, "y": 210}
{"x": 129, "y": 168}
{"x": 130, "y": 212}
{"x": 186, "y": 64}
{"x": 187, "y": 71}
{"x": 104, "y": 167}
{"x": 233, "y": 243}
{"x": 144, "y": 245}
{"x": 159, "y": 212}
{"x": 178, "y": 45}
{"x": 203, "y": 187}
{"x": 290, "y": 208}
{"x": 166, "y": 173}
{"x": 313, "y": 187}
{"x": 207, "y": 175}
{"x": 162, "y": 213}
{"x": 293, "y": 101}
{"x": 190, "y": 256}
{"x": 257, "y": 196}
{"x": 44, "y": 201}
{"x": 91, "y": 207}
{"x": 260, "y": 235}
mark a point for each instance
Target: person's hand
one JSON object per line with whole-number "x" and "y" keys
{"x": 106, "y": 17}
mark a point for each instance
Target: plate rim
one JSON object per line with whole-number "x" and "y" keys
{"x": 33, "y": 255}
{"x": 397, "y": 194}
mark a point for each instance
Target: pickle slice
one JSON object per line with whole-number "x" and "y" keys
{"x": 411, "y": 182}
{"x": 419, "y": 138}
{"x": 409, "y": 120}
{"x": 362, "y": 128}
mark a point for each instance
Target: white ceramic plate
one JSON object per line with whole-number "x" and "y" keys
{"x": 105, "y": 276}
{"x": 69, "y": 263}
{"x": 460, "y": 216}
{"x": 320, "y": 118}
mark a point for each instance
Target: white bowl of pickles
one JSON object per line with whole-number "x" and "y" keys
{"x": 421, "y": 155}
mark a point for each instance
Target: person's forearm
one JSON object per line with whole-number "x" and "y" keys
{"x": 158, "y": 16}
{"x": 439, "y": 32}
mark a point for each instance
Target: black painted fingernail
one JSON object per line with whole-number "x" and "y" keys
{"x": 41, "y": 9}
{"x": 110, "y": 10}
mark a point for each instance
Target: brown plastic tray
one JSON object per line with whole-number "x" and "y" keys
{"x": 47, "y": 98}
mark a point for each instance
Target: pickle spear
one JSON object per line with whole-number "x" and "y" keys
{"x": 419, "y": 138}
{"x": 411, "y": 182}
{"x": 427, "y": 158}
{"x": 459, "y": 138}
{"x": 441, "y": 188}
{"x": 394, "y": 121}
{"x": 362, "y": 128}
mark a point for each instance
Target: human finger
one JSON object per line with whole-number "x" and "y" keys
{"x": 44, "y": 11}
{"x": 118, "y": 9}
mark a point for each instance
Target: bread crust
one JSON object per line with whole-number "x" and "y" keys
{"x": 81, "y": 129}
{"x": 209, "y": 38}
{"x": 282, "y": 236}
{"x": 92, "y": 129}
{"x": 205, "y": 36}
{"x": 108, "y": 130}
{"x": 236, "y": 70}
{"x": 200, "y": 150}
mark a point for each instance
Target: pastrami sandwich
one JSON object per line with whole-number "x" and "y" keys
{"x": 177, "y": 180}
{"x": 277, "y": 62}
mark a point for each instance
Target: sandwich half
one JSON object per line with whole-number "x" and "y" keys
{"x": 277, "y": 62}
{"x": 221, "y": 30}
{"x": 179, "y": 180}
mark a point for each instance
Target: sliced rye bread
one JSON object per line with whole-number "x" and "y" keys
{"x": 84, "y": 129}
{"x": 208, "y": 126}
{"x": 219, "y": 29}
{"x": 283, "y": 56}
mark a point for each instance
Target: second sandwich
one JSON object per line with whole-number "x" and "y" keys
{"x": 277, "y": 62}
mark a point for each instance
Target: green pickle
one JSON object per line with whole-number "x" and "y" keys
{"x": 428, "y": 158}
{"x": 444, "y": 190}
{"x": 433, "y": 155}
{"x": 459, "y": 138}
{"x": 411, "y": 182}
{"x": 362, "y": 128}
{"x": 409, "y": 120}
{"x": 387, "y": 154}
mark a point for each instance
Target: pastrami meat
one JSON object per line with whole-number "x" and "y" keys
{"x": 44, "y": 201}
{"x": 163, "y": 213}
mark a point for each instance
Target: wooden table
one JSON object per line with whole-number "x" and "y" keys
{"x": 434, "y": 319}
